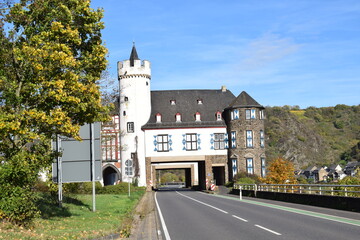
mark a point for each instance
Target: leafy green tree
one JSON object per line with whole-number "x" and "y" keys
{"x": 51, "y": 58}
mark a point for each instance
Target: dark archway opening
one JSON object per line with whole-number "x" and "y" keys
{"x": 110, "y": 176}
{"x": 219, "y": 175}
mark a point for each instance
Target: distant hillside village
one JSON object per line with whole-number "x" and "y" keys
{"x": 333, "y": 173}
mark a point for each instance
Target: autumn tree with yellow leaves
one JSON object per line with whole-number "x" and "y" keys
{"x": 51, "y": 58}
{"x": 280, "y": 171}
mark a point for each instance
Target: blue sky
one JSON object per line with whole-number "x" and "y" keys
{"x": 282, "y": 52}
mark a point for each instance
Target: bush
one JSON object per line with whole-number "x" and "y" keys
{"x": 17, "y": 205}
{"x": 244, "y": 176}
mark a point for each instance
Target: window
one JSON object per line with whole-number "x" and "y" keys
{"x": 233, "y": 139}
{"x": 162, "y": 143}
{"x": 191, "y": 141}
{"x": 247, "y": 114}
{"x": 197, "y": 117}
{"x": 263, "y": 168}
{"x": 262, "y": 114}
{"x": 158, "y": 118}
{"x": 126, "y": 99}
{"x": 124, "y": 113}
{"x": 219, "y": 141}
{"x": 178, "y": 117}
{"x": 130, "y": 127}
{"x": 218, "y": 116}
{"x": 249, "y": 166}
{"x": 262, "y": 139}
{"x": 253, "y": 114}
{"x": 235, "y": 114}
{"x": 200, "y": 101}
{"x": 172, "y": 102}
{"x": 249, "y": 139}
{"x": 234, "y": 166}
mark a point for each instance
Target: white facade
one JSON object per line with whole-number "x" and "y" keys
{"x": 135, "y": 107}
{"x": 177, "y": 142}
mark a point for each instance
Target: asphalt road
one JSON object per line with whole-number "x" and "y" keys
{"x": 195, "y": 215}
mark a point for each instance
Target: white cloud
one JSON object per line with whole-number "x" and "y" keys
{"x": 266, "y": 50}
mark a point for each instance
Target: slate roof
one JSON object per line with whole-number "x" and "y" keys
{"x": 133, "y": 56}
{"x": 186, "y": 103}
{"x": 244, "y": 100}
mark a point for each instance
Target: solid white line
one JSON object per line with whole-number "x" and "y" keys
{"x": 276, "y": 233}
{"x": 244, "y": 220}
{"x": 202, "y": 203}
{"x": 166, "y": 233}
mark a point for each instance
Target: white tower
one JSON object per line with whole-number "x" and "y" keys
{"x": 135, "y": 106}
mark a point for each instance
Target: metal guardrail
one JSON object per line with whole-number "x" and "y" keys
{"x": 317, "y": 189}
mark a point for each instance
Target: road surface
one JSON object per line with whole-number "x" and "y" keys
{"x": 195, "y": 215}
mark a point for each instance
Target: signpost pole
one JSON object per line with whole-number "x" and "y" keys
{"x": 92, "y": 156}
{"x": 129, "y": 185}
{"x": 59, "y": 171}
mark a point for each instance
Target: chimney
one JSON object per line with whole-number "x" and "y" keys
{"x": 223, "y": 88}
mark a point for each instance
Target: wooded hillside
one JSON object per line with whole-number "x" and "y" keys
{"x": 313, "y": 136}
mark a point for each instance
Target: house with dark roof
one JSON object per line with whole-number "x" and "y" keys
{"x": 210, "y": 133}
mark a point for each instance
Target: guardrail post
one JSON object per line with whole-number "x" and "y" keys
{"x": 240, "y": 192}
{"x": 320, "y": 192}
{"x": 255, "y": 189}
{"x": 332, "y": 191}
{"x": 346, "y": 194}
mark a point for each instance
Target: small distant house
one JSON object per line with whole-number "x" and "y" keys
{"x": 319, "y": 174}
{"x": 335, "y": 172}
{"x": 351, "y": 168}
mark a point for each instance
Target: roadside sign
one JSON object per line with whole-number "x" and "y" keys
{"x": 129, "y": 167}
{"x": 75, "y": 162}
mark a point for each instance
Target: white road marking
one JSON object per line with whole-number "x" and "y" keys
{"x": 202, "y": 203}
{"x": 244, "y": 220}
{"x": 166, "y": 233}
{"x": 276, "y": 233}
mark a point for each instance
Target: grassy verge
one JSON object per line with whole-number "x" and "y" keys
{"x": 76, "y": 220}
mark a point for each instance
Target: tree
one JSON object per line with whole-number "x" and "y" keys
{"x": 51, "y": 58}
{"x": 280, "y": 171}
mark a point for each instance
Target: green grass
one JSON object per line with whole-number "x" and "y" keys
{"x": 76, "y": 220}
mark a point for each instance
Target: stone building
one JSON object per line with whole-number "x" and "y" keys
{"x": 210, "y": 133}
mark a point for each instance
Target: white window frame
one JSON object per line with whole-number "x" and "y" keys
{"x": 158, "y": 118}
{"x": 162, "y": 142}
{"x": 262, "y": 139}
{"x": 253, "y": 113}
{"x": 219, "y": 141}
{"x": 247, "y": 114}
{"x": 262, "y": 114}
{"x": 250, "y": 165}
{"x": 178, "y": 117}
{"x": 191, "y": 142}
{"x": 249, "y": 139}
{"x": 263, "y": 167}
{"x": 197, "y": 117}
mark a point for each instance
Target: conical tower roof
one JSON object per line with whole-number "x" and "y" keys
{"x": 133, "y": 55}
{"x": 244, "y": 100}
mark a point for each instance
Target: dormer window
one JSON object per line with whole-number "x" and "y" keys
{"x": 218, "y": 116}
{"x": 178, "y": 117}
{"x": 172, "y": 102}
{"x": 197, "y": 117}
{"x": 158, "y": 118}
{"x": 199, "y": 101}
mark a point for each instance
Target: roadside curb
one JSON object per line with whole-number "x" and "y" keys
{"x": 146, "y": 224}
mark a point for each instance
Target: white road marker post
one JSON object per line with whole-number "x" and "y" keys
{"x": 240, "y": 192}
